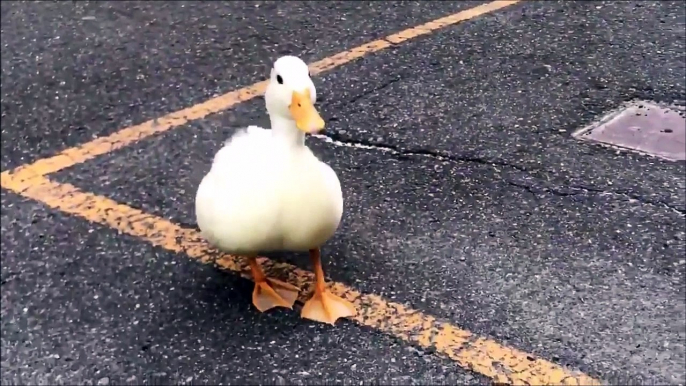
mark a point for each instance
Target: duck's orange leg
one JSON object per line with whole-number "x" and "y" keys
{"x": 324, "y": 306}
{"x": 270, "y": 293}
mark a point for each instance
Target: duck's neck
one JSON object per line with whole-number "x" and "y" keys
{"x": 286, "y": 131}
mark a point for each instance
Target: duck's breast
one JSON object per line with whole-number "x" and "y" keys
{"x": 237, "y": 202}
{"x": 312, "y": 206}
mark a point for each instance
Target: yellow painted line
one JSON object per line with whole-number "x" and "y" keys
{"x": 502, "y": 364}
{"x": 132, "y": 134}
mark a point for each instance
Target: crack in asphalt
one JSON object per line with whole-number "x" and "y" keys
{"x": 401, "y": 153}
{"x": 563, "y": 191}
{"x": 632, "y": 197}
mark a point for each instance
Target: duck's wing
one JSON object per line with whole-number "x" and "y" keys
{"x": 249, "y": 144}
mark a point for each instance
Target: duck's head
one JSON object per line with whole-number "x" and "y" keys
{"x": 291, "y": 95}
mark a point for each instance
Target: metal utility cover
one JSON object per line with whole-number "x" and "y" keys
{"x": 644, "y": 127}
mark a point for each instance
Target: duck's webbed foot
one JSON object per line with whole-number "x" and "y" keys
{"x": 270, "y": 293}
{"x": 324, "y": 306}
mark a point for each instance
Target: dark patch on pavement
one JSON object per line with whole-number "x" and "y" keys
{"x": 75, "y": 70}
{"x": 82, "y": 303}
{"x": 585, "y": 280}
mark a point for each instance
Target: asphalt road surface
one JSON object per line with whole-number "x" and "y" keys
{"x": 467, "y": 198}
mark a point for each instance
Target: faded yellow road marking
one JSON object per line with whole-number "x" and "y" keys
{"x": 130, "y": 135}
{"x": 502, "y": 364}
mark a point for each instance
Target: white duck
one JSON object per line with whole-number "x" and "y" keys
{"x": 266, "y": 191}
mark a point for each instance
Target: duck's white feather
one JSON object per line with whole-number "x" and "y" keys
{"x": 263, "y": 195}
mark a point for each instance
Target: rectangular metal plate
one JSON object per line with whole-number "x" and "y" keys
{"x": 644, "y": 127}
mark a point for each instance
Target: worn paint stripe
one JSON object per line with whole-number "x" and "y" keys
{"x": 132, "y": 134}
{"x": 443, "y": 22}
{"x": 502, "y": 364}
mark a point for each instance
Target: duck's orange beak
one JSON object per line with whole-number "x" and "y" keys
{"x": 305, "y": 115}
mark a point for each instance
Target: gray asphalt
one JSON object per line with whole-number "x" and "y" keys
{"x": 472, "y": 197}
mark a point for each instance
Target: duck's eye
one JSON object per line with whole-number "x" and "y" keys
{"x": 309, "y": 74}
{"x": 279, "y": 79}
